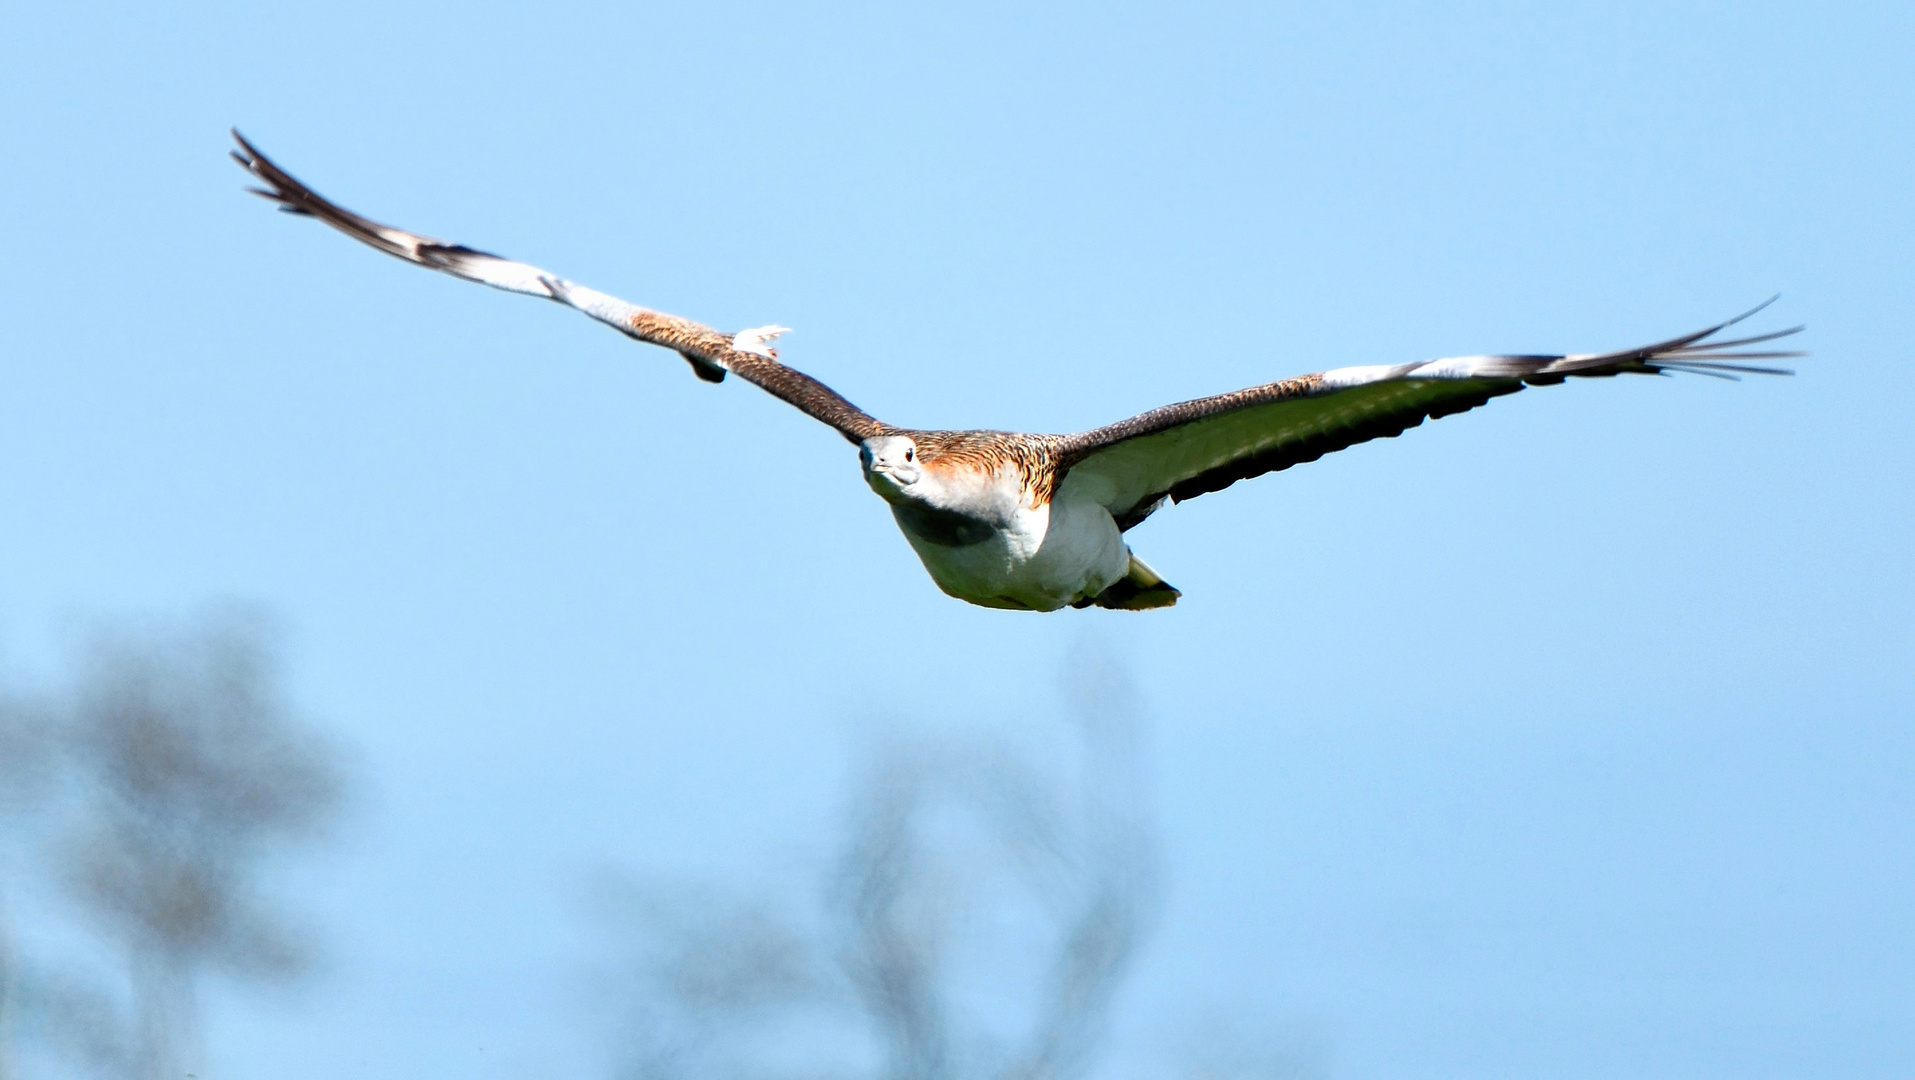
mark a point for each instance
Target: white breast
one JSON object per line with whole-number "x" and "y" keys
{"x": 1038, "y": 558}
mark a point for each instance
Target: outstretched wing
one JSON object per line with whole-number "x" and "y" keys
{"x": 1184, "y": 450}
{"x": 747, "y": 354}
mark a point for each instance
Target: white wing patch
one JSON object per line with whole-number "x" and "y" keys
{"x": 1451, "y": 367}
{"x": 606, "y": 308}
{"x": 485, "y": 269}
{"x": 1339, "y": 378}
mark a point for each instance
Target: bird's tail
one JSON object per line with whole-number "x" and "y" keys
{"x": 1138, "y": 590}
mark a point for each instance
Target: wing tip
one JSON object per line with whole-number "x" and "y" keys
{"x": 247, "y": 155}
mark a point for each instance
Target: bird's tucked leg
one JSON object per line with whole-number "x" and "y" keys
{"x": 704, "y": 368}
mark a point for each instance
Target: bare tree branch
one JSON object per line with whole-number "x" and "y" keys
{"x": 939, "y": 831}
{"x": 1095, "y": 866}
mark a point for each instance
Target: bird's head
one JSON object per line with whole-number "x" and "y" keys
{"x": 891, "y": 464}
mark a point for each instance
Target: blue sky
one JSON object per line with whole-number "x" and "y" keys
{"x": 1568, "y": 737}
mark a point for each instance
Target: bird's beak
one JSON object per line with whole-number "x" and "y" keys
{"x": 894, "y": 475}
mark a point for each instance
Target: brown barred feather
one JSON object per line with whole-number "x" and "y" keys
{"x": 1033, "y": 456}
{"x": 700, "y": 342}
{"x": 1075, "y": 448}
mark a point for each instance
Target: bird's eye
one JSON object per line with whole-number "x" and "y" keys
{"x": 910, "y": 455}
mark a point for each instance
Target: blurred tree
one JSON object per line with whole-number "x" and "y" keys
{"x": 951, "y": 843}
{"x": 192, "y": 774}
{"x": 26, "y": 754}
{"x": 26, "y": 757}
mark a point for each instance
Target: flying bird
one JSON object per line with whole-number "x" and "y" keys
{"x": 1037, "y": 522}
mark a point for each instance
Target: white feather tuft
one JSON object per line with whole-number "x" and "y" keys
{"x": 758, "y": 341}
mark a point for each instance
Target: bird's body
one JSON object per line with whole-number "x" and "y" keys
{"x": 1037, "y": 522}
{"x": 986, "y": 524}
